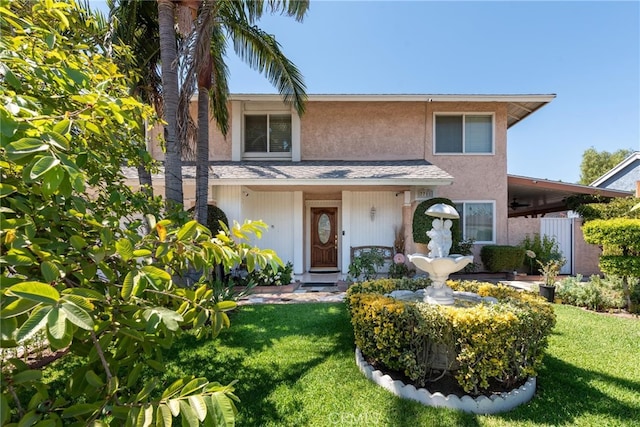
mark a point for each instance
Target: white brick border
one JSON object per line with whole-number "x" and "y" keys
{"x": 480, "y": 405}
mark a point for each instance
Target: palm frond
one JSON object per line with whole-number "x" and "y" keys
{"x": 263, "y": 53}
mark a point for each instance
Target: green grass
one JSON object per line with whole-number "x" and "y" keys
{"x": 295, "y": 367}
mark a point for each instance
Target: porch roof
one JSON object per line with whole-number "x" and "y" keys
{"x": 534, "y": 196}
{"x": 318, "y": 173}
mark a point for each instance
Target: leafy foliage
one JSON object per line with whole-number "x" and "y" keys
{"x": 597, "y": 163}
{"x": 502, "y": 257}
{"x": 620, "y": 239}
{"x": 598, "y": 294}
{"x": 270, "y": 276}
{"x": 502, "y": 341}
{"x": 74, "y": 265}
{"x": 544, "y": 248}
{"x": 550, "y": 270}
{"x": 422, "y": 223}
{"x": 622, "y": 207}
{"x": 365, "y": 265}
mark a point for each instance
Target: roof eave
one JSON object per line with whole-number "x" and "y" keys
{"x": 402, "y": 97}
{"x": 314, "y": 182}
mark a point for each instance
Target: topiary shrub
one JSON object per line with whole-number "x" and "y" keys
{"x": 620, "y": 239}
{"x": 214, "y": 216}
{"x": 422, "y": 222}
{"x": 484, "y": 344}
{"x": 498, "y": 258}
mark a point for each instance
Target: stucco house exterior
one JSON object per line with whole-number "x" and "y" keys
{"x": 352, "y": 170}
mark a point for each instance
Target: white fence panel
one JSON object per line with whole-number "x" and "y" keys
{"x": 561, "y": 229}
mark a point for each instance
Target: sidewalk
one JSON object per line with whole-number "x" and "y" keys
{"x": 301, "y": 295}
{"x": 335, "y": 294}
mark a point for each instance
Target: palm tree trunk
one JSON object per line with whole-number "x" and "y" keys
{"x": 168, "y": 55}
{"x": 202, "y": 157}
{"x": 203, "y": 64}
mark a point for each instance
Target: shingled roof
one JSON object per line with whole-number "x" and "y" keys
{"x": 408, "y": 172}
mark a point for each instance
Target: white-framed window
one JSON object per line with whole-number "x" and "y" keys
{"x": 463, "y": 133}
{"x": 478, "y": 220}
{"x": 267, "y": 135}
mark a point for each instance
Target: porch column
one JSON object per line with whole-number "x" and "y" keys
{"x": 298, "y": 233}
{"x": 407, "y": 223}
{"x": 345, "y": 234}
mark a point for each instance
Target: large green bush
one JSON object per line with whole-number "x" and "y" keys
{"x": 620, "y": 239}
{"x": 498, "y": 258}
{"x": 502, "y": 342}
{"x": 598, "y": 294}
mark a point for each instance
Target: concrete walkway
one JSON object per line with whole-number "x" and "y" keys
{"x": 333, "y": 294}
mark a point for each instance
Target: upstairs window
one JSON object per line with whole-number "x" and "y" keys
{"x": 267, "y": 135}
{"x": 464, "y": 134}
{"x": 477, "y": 221}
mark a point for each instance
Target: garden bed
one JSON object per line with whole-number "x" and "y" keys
{"x": 479, "y": 346}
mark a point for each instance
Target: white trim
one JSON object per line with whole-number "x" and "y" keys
{"x": 617, "y": 168}
{"x": 493, "y": 225}
{"x": 345, "y": 233}
{"x": 464, "y": 114}
{"x": 262, "y": 106}
{"x": 296, "y": 131}
{"x": 268, "y": 155}
{"x": 307, "y": 239}
{"x": 298, "y": 232}
{"x": 236, "y": 131}
{"x": 401, "y": 97}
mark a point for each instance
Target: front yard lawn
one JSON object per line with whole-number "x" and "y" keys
{"x": 295, "y": 367}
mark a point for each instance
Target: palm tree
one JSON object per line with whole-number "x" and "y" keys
{"x": 200, "y": 63}
{"x": 169, "y": 57}
{"x": 236, "y": 20}
{"x": 135, "y": 23}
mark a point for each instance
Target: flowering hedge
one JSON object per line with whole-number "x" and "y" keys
{"x": 503, "y": 341}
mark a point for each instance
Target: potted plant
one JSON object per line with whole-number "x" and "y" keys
{"x": 550, "y": 271}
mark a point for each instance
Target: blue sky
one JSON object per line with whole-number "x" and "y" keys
{"x": 587, "y": 53}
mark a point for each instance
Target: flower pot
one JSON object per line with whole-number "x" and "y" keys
{"x": 548, "y": 292}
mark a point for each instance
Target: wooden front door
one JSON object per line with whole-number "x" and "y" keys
{"x": 324, "y": 238}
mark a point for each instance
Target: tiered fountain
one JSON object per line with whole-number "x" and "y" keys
{"x": 438, "y": 263}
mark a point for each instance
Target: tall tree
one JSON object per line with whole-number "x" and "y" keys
{"x": 236, "y": 20}
{"x": 135, "y": 24}
{"x": 169, "y": 57}
{"x": 597, "y": 163}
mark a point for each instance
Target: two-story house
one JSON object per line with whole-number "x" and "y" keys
{"x": 352, "y": 170}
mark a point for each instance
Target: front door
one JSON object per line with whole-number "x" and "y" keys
{"x": 324, "y": 238}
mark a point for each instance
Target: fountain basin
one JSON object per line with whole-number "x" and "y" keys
{"x": 439, "y": 269}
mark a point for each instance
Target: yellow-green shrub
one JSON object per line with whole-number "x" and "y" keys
{"x": 503, "y": 341}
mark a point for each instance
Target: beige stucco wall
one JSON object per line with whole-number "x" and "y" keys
{"x": 363, "y": 131}
{"x": 586, "y": 257}
{"x": 219, "y": 146}
{"x": 479, "y": 176}
{"x": 520, "y": 227}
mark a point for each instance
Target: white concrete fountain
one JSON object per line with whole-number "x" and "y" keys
{"x": 438, "y": 263}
